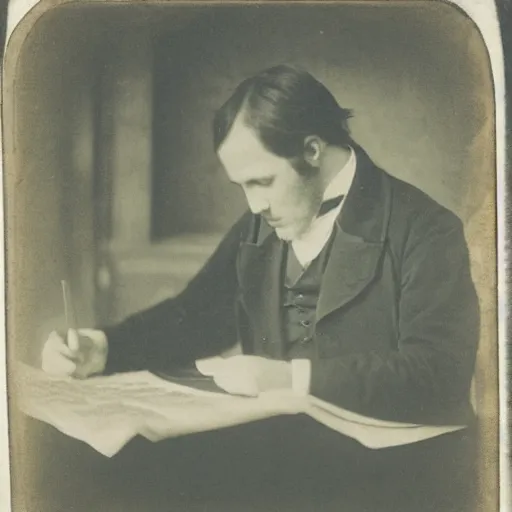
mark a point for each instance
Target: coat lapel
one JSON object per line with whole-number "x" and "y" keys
{"x": 351, "y": 267}
{"x": 260, "y": 274}
{"x": 359, "y": 235}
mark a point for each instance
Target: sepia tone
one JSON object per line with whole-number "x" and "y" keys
{"x": 110, "y": 171}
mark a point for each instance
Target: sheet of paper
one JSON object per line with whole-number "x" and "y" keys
{"x": 106, "y": 412}
{"x": 372, "y": 432}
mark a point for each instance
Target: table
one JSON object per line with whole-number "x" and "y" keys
{"x": 279, "y": 464}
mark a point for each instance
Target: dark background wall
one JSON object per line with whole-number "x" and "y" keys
{"x": 53, "y": 147}
{"x": 415, "y": 77}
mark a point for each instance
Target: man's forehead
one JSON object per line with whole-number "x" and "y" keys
{"x": 243, "y": 155}
{"x": 241, "y": 144}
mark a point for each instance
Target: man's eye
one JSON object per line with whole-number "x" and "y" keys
{"x": 263, "y": 183}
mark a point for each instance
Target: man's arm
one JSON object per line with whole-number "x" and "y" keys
{"x": 429, "y": 376}
{"x": 197, "y": 323}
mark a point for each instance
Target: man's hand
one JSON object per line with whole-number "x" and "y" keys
{"x": 83, "y": 354}
{"x": 249, "y": 375}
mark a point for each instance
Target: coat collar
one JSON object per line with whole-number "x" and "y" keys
{"x": 365, "y": 213}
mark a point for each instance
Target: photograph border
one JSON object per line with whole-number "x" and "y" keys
{"x": 486, "y": 15}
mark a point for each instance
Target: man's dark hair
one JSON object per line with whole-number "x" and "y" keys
{"x": 284, "y": 105}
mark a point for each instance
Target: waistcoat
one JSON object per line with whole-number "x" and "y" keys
{"x": 300, "y": 298}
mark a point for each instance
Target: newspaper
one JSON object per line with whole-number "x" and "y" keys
{"x": 107, "y": 411}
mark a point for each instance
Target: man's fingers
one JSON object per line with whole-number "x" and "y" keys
{"x": 64, "y": 366}
{"x": 58, "y": 364}
{"x": 231, "y": 386}
{"x": 236, "y": 382}
{"x": 57, "y": 357}
{"x": 73, "y": 340}
{"x": 232, "y": 374}
{"x": 80, "y": 353}
{"x": 211, "y": 365}
{"x": 93, "y": 334}
{"x": 56, "y": 344}
{"x": 54, "y": 338}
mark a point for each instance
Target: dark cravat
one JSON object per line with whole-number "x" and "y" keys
{"x": 329, "y": 205}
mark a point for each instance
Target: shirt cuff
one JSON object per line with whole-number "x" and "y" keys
{"x": 301, "y": 376}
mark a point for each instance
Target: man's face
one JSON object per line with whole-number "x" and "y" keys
{"x": 287, "y": 200}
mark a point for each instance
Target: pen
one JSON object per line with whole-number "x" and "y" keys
{"x": 69, "y": 313}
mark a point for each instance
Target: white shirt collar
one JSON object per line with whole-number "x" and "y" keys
{"x": 340, "y": 184}
{"x": 309, "y": 245}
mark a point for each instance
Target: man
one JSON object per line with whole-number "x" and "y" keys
{"x": 341, "y": 281}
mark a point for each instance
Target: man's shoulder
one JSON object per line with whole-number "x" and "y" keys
{"x": 412, "y": 205}
{"x": 408, "y": 204}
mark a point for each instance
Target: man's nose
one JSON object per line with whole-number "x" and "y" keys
{"x": 257, "y": 202}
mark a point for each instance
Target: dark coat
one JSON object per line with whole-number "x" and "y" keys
{"x": 397, "y": 319}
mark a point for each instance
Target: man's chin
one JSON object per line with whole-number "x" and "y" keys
{"x": 287, "y": 235}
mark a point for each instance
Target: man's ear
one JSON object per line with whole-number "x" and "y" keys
{"x": 313, "y": 150}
